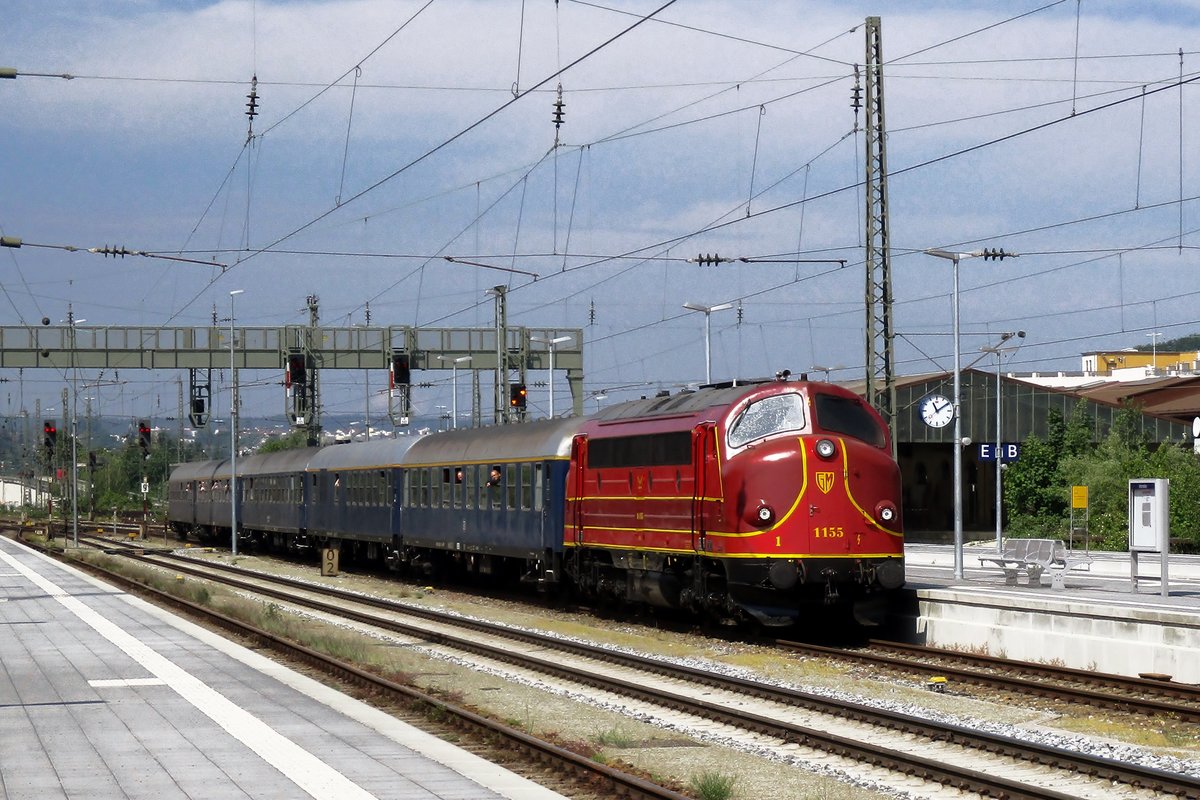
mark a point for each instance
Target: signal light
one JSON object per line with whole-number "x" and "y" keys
{"x": 144, "y": 437}
{"x": 517, "y": 395}
{"x": 49, "y": 437}
{"x": 401, "y": 371}
{"x": 297, "y": 369}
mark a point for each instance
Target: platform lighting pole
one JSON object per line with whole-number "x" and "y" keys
{"x": 999, "y": 351}
{"x": 233, "y": 431}
{"x": 454, "y": 386}
{"x": 1154, "y": 352}
{"x": 550, "y": 343}
{"x": 958, "y": 443}
{"x": 74, "y": 434}
{"x": 707, "y": 312}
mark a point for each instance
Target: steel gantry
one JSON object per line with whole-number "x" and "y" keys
{"x": 203, "y": 349}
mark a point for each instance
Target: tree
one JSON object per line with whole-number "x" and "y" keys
{"x": 289, "y": 441}
{"x": 1038, "y": 486}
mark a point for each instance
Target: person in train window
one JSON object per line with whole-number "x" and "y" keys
{"x": 458, "y": 475}
{"x": 495, "y": 497}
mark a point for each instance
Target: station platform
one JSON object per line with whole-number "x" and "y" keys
{"x": 105, "y": 696}
{"x": 1098, "y": 620}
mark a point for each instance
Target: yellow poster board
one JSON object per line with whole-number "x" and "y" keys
{"x": 1079, "y": 497}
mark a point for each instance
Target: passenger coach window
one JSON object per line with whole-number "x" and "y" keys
{"x": 527, "y": 486}
{"x": 850, "y": 416}
{"x": 469, "y": 483}
{"x": 782, "y": 412}
{"x": 538, "y": 489}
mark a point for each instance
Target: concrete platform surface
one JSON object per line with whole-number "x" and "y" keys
{"x": 1099, "y": 619}
{"x": 105, "y": 696}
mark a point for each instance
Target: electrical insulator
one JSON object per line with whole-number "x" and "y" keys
{"x": 740, "y": 313}
{"x": 856, "y": 92}
{"x": 252, "y": 106}
{"x": 998, "y": 254}
{"x": 559, "y": 105}
{"x": 592, "y": 313}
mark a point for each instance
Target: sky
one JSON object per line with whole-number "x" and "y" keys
{"x": 393, "y": 133}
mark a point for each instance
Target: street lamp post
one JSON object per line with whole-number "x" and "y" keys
{"x": 958, "y": 502}
{"x": 74, "y": 434}
{"x": 550, "y": 344}
{"x": 707, "y": 312}
{"x": 999, "y": 351}
{"x": 454, "y": 386}
{"x": 233, "y": 431}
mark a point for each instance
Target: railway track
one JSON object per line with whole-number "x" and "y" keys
{"x": 1061, "y": 684}
{"x": 937, "y": 753}
{"x": 1142, "y": 696}
{"x": 583, "y": 771}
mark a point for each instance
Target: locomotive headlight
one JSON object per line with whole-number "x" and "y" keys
{"x": 761, "y": 516}
{"x": 825, "y": 448}
{"x": 885, "y": 511}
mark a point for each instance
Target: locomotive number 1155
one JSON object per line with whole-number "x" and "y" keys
{"x": 829, "y": 532}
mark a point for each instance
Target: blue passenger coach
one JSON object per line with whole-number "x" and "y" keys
{"x": 272, "y": 497}
{"x": 488, "y": 492}
{"x": 353, "y": 491}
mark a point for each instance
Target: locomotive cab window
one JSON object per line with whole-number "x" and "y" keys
{"x": 776, "y": 414}
{"x": 849, "y": 416}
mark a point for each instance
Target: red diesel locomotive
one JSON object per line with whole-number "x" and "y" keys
{"x": 750, "y": 500}
{"x": 761, "y": 499}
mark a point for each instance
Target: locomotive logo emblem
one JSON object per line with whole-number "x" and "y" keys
{"x": 825, "y": 481}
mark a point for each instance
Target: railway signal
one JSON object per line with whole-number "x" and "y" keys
{"x": 49, "y": 437}
{"x": 144, "y": 437}
{"x": 297, "y": 370}
{"x": 517, "y": 395}
{"x": 401, "y": 373}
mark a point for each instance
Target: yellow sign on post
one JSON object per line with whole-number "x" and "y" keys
{"x": 329, "y": 562}
{"x": 1079, "y": 497}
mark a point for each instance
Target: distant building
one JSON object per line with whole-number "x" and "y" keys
{"x": 1141, "y": 362}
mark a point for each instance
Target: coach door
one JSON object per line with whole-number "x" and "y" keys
{"x": 576, "y": 488}
{"x": 702, "y": 446}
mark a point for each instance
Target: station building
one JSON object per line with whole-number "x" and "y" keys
{"x": 1167, "y": 395}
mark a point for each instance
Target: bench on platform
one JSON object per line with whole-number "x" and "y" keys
{"x": 1035, "y": 557}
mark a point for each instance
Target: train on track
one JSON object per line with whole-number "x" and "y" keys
{"x": 747, "y": 500}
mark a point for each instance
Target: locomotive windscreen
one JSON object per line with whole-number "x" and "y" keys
{"x": 849, "y": 416}
{"x": 649, "y": 450}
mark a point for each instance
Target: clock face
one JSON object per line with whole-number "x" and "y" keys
{"x": 937, "y": 411}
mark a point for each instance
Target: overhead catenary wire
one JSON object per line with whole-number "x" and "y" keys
{"x": 567, "y": 254}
